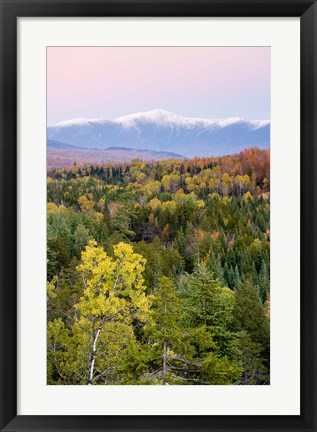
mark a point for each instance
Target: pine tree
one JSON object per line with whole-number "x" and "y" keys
{"x": 253, "y": 326}
{"x": 249, "y": 312}
{"x": 208, "y": 305}
{"x": 167, "y": 317}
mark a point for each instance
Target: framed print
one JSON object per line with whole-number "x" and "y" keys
{"x": 158, "y": 235}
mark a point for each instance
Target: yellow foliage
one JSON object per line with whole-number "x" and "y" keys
{"x": 97, "y": 217}
{"x": 200, "y": 204}
{"x": 155, "y": 203}
{"x": 51, "y": 288}
{"x": 169, "y": 206}
{"x": 152, "y": 187}
{"x": 215, "y": 235}
{"x": 112, "y": 285}
{"x": 179, "y": 191}
{"x": 214, "y": 195}
{"x": 102, "y": 204}
{"x": 85, "y": 203}
{"x": 265, "y": 195}
{"x": 52, "y": 208}
{"x": 247, "y": 196}
{"x": 226, "y": 200}
{"x": 257, "y": 244}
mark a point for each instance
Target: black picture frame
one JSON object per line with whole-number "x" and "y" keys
{"x": 10, "y": 11}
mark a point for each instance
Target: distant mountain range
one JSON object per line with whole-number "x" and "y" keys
{"x": 59, "y": 145}
{"x": 61, "y": 155}
{"x": 162, "y": 131}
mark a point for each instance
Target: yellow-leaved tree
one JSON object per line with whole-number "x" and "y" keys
{"x": 113, "y": 303}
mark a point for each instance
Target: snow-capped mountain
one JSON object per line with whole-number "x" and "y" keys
{"x": 161, "y": 130}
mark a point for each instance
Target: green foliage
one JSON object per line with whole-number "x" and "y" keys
{"x": 211, "y": 305}
{"x": 158, "y": 272}
{"x": 251, "y": 321}
{"x": 112, "y": 300}
{"x": 249, "y": 313}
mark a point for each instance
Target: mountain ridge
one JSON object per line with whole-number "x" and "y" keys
{"x": 160, "y": 130}
{"x": 61, "y": 157}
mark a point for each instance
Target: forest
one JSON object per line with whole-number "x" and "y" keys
{"x": 159, "y": 272}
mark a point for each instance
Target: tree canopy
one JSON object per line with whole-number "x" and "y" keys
{"x": 158, "y": 272}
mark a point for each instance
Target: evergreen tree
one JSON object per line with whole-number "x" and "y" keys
{"x": 167, "y": 334}
{"x": 210, "y": 306}
{"x": 251, "y": 322}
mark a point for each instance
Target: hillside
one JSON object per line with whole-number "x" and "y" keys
{"x": 159, "y": 272}
{"x": 61, "y": 156}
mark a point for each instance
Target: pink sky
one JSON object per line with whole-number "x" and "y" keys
{"x": 109, "y": 82}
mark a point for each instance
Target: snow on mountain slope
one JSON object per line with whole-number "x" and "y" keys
{"x": 161, "y": 130}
